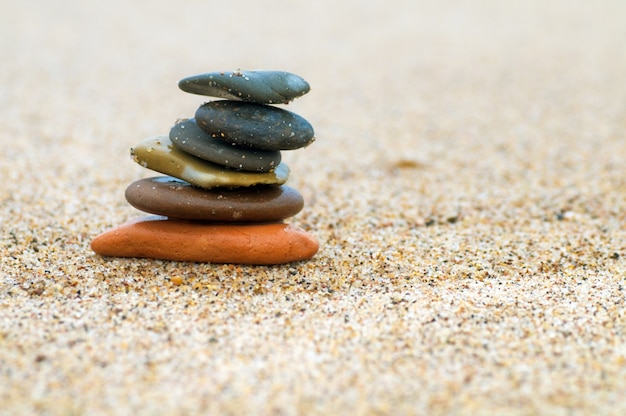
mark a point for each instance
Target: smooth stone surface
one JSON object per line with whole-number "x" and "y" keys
{"x": 166, "y": 239}
{"x": 263, "y": 87}
{"x": 190, "y": 138}
{"x": 175, "y": 198}
{"x": 254, "y": 125}
{"x": 159, "y": 154}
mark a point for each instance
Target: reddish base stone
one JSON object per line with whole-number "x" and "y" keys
{"x": 167, "y": 239}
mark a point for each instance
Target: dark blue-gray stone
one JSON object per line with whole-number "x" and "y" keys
{"x": 263, "y": 87}
{"x": 254, "y": 125}
{"x": 188, "y": 137}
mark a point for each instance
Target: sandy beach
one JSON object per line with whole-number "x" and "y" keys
{"x": 467, "y": 186}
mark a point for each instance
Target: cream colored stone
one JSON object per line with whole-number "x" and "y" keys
{"x": 159, "y": 154}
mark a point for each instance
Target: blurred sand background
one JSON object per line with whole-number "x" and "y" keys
{"x": 467, "y": 187}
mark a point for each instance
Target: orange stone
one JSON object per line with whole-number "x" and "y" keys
{"x": 161, "y": 238}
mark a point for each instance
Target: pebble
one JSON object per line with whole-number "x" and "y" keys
{"x": 159, "y": 154}
{"x": 167, "y": 239}
{"x": 263, "y": 87}
{"x": 254, "y": 125}
{"x": 175, "y": 198}
{"x": 187, "y": 136}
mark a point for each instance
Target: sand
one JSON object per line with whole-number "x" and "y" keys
{"x": 467, "y": 187}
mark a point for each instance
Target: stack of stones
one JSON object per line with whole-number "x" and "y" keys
{"x": 223, "y": 199}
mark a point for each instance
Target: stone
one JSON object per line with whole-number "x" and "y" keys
{"x": 159, "y": 154}
{"x": 263, "y": 87}
{"x": 175, "y": 198}
{"x": 161, "y": 238}
{"x": 254, "y": 125}
{"x": 190, "y": 138}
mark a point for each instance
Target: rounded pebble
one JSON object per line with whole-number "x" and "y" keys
{"x": 263, "y": 87}
{"x": 166, "y": 239}
{"x": 187, "y": 136}
{"x": 254, "y": 125}
{"x": 159, "y": 154}
{"x": 175, "y": 198}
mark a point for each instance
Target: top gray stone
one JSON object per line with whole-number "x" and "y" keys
{"x": 262, "y": 87}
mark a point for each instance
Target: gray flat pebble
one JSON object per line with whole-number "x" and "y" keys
{"x": 188, "y": 137}
{"x": 254, "y": 125}
{"x": 263, "y": 87}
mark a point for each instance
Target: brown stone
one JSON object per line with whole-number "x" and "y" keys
{"x": 161, "y": 238}
{"x": 175, "y": 198}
